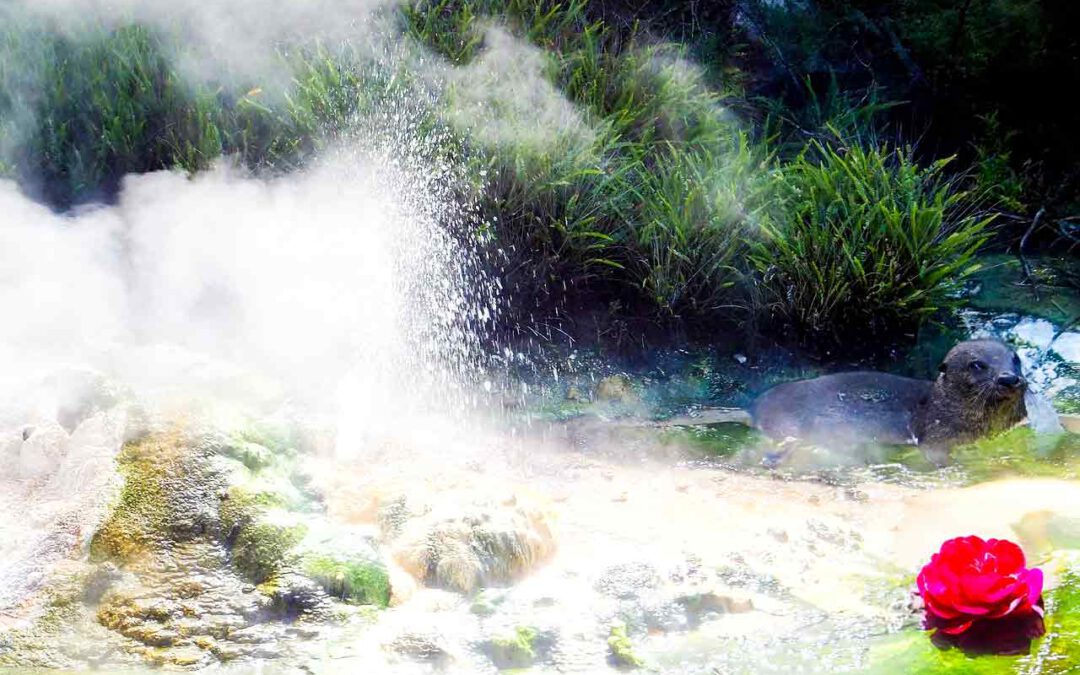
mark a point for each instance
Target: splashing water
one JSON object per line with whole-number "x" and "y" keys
{"x": 1041, "y": 414}
{"x": 350, "y": 290}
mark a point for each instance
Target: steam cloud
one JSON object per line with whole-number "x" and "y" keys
{"x": 349, "y": 289}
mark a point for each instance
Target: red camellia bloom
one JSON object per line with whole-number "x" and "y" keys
{"x": 971, "y": 580}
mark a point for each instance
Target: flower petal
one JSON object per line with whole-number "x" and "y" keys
{"x": 941, "y": 610}
{"x": 1008, "y": 556}
{"x": 957, "y": 629}
{"x": 1006, "y": 609}
{"x": 1034, "y": 580}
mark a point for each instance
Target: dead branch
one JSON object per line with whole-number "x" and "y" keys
{"x": 1028, "y": 276}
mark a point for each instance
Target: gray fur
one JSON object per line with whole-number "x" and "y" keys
{"x": 849, "y": 410}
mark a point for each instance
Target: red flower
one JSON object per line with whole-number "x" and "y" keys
{"x": 971, "y": 580}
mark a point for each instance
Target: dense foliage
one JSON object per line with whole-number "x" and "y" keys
{"x": 865, "y": 238}
{"x": 703, "y": 162}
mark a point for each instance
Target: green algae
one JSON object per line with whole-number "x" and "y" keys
{"x": 517, "y": 650}
{"x": 355, "y": 579}
{"x": 137, "y": 515}
{"x": 713, "y": 440}
{"x": 263, "y": 548}
{"x": 1020, "y": 452}
{"x": 913, "y": 652}
{"x": 621, "y": 649}
{"x": 253, "y": 455}
{"x": 168, "y": 495}
{"x": 241, "y": 507}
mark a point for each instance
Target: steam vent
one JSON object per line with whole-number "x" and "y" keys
{"x": 478, "y": 336}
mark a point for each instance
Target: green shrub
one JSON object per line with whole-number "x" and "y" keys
{"x": 995, "y": 178}
{"x": 454, "y": 28}
{"x": 102, "y": 105}
{"x": 687, "y": 229}
{"x": 358, "y": 580}
{"x": 648, "y": 192}
{"x": 79, "y": 111}
{"x": 552, "y": 212}
{"x": 864, "y": 240}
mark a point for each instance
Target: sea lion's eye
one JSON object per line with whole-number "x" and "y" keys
{"x": 978, "y": 366}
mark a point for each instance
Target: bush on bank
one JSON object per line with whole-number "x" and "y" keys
{"x": 659, "y": 198}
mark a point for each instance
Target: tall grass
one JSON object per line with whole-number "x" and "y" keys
{"x": 655, "y": 206}
{"x": 652, "y": 193}
{"x": 690, "y": 229}
{"x": 78, "y": 112}
{"x": 101, "y": 107}
{"x": 864, "y": 240}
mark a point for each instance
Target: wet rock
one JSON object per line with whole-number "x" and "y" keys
{"x": 628, "y": 580}
{"x": 188, "y": 657}
{"x": 170, "y": 494}
{"x": 252, "y": 455}
{"x": 615, "y": 388}
{"x": 123, "y": 610}
{"x": 424, "y": 647}
{"x": 519, "y": 648}
{"x": 43, "y": 449}
{"x": 844, "y": 538}
{"x": 701, "y": 606}
{"x": 10, "y": 444}
{"x": 145, "y": 620}
{"x": 99, "y": 581}
{"x": 293, "y": 595}
{"x": 265, "y": 652}
{"x": 484, "y": 604}
{"x": 152, "y": 635}
{"x": 303, "y": 632}
{"x": 218, "y": 626}
{"x": 573, "y": 393}
{"x": 252, "y": 635}
{"x": 494, "y": 543}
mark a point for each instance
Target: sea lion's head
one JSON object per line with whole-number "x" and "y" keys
{"x": 983, "y": 370}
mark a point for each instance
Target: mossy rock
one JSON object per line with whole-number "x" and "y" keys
{"x": 242, "y": 506}
{"x": 283, "y": 486}
{"x": 516, "y": 650}
{"x": 485, "y": 603}
{"x": 258, "y": 446}
{"x": 263, "y": 548}
{"x": 615, "y": 388}
{"x": 276, "y": 436}
{"x": 253, "y": 455}
{"x": 36, "y": 646}
{"x": 357, "y": 579}
{"x": 621, "y": 649}
{"x": 170, "y": 494}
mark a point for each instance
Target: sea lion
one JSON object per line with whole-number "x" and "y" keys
{"x": 979, "y": 391}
